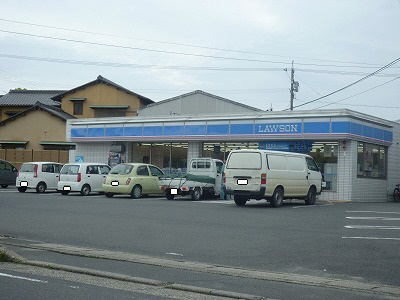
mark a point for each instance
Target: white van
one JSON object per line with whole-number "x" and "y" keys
{"x": 271, "y": 175}
{"x": 83, "y": 178}
{"x": 41, "y": 176}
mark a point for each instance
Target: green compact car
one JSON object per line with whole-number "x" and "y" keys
{"x": 134, "y": 179}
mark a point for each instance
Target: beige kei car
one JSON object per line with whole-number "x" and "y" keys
{"x": 134, "y": 179}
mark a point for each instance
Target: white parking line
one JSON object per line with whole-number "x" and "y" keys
{"x": 24, "y": 278}
{"x": 215, "y": 201}
{"x": 369, "y": 238}
{"x": 374, "y": 218}
{"x": 308, "y": 206}
{"x": 370, "y": 211}
{"x": 370, "y": 227}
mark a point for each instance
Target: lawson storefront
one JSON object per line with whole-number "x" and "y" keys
{"x": 358, "y": 154}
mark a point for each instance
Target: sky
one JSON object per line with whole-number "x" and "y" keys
{"x": 241, "y": 50}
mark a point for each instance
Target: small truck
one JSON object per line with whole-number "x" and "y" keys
{"x": 202, "y": 179}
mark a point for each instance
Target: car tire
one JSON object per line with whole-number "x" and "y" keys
{"x": 240, "y": 200}
{"x": 311, "y": 196}
{"x": 277, "y": 198}
{"x": 109, "y": 195}
{"x": 41, "y": 187}
{"x": 22, "y": 189}
{"x": 4, "y": 186}
{"x": 196, "y": 194}
{"x": 65, "y": 193}
{"x": 85, "y": 190}
{"x": 136, "y": 192}
{"x": 169, "y": 196}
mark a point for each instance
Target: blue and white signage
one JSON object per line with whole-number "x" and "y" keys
{"x": 279, "y": 128}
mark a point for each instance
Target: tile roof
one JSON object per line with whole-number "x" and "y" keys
{"x": 56, "y": 111}
{"x": 29, "y": 97}
{"x": 101, "y": 79}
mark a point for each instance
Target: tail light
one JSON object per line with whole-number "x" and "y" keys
{"x": 35, "y": 171}
{"x": 104, "y": 181}
{"x": 224, "y": 176}
{"x": 128, "y": 181}
{"x": 79, "y": 177}
{"x": 19, "y": 169}
{"x": 263, "y": 178}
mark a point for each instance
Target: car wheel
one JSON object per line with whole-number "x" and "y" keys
{"x": 169, "y": 196}
{"x": 136, "y": 192}
{"x": 4, "y": 186}
{"x": 311, "y": 196}
{"x": 109, "y": 195}
{"x": 41, "y": 187}
{"x": 64, "y": 193}
{"x": 196, "y": 194}
{"x": 85, "y": 190}
{"x": 277, "y": 198}
{"x": 240, "y": 200}
{"x": 22, "y": 189}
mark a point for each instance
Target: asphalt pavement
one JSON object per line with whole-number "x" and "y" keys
{"x": 355, "y": 242}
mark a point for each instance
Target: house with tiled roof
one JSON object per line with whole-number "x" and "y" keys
{"x": 39, "y": 127}
{"x": 16, "y": 101}
{"x": 101, "y": 98}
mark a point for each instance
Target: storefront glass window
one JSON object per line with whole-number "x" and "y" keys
{"x": 371, "y": 160}
{"x": 325, "y": 155}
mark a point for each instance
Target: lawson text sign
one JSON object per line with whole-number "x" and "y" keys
{"x": 279, "y": 128}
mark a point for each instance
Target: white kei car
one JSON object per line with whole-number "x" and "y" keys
{"x": 82, "y": 177}
{"x": 41, "y": 176}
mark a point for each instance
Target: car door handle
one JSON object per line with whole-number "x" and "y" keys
{"x": 88, "y": 175}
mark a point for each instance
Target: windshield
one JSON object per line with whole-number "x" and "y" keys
{"x": 121, "y": 169}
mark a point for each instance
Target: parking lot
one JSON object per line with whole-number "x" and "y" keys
{"x": 330, "y": 239}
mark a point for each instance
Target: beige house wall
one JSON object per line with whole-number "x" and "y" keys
{"x": 100, "y": 94}
{"x": 4, "y": 109}
{"x": 35, "y": 127}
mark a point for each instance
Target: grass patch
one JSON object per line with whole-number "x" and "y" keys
{"x": 4, "y": 257}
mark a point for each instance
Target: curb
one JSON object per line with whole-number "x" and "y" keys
{"x": 16, "y": 258}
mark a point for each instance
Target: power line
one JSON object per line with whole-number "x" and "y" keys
{"x": 185, "y": 45}
{"x": 172, "y": 52}
{"x": 171, "y": 67}
{"x": 297, "y": 76}
{"x": 349, "y": 85}
{"x": 359, "y": 93}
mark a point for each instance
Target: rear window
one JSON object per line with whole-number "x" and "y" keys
{"x": 70, "y": 170}
{"x": 29, "y": 168}
{"x": 244, "y": 160}
{"x": 121, "y": 169}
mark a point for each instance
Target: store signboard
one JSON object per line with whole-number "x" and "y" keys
{"x": 290, "y": 146}
{"x": 279, "y": 128}
{"x": 79, "y": 159}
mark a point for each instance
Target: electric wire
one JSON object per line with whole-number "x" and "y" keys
{"x": 330, "y": 103}
{"x": 351, "y": 84}
{"x": 185, "y": 45}
{"x": 173, "y": 52}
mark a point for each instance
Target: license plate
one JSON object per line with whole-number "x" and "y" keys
{"x": 23, "y": 183}
{"x": 174, "y": 191}
{"x": 324, "y": 184}
{"x": 67, "y": 188}
{"x": 242, "y": 181}
{"x": 114, "y": 183}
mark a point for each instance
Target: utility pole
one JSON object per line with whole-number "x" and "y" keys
{"x": 294, "y": 87}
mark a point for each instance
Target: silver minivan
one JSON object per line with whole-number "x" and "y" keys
{"x": 41, "y": 176}
{"x": 271, "y": 175}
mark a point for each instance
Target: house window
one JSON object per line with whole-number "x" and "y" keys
{"x": 78, "y": 107}
{"x": 104, "y": 113}
{"x": 371, "y": 160}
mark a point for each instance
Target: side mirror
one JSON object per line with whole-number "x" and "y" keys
{"x": 15, "y": 170}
